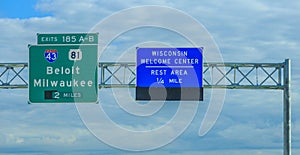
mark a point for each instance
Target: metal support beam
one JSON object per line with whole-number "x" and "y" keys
{"x": 13, "y": 75}
{"x": 236, "y": 75}
{"x": 287, "y": 138}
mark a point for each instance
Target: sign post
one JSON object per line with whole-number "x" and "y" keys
{"x": 63, "y": 73}
{"x": 169, "y": 74}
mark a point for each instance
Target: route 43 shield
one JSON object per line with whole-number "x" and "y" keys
{"x": 51, "y": 55}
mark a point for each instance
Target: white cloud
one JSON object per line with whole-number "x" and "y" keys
{"x": 23, "y": 135}
{"x": 252, "y": 135}
{"x": 18, "y": 33}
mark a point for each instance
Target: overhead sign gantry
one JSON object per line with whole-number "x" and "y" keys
{"x": 238, "y": 76}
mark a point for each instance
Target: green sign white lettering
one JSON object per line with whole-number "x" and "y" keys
{"x": 67, "y": 38}
{"x": 63, "y": 73}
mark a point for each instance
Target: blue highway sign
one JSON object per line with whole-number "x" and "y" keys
{"x": 167, "y": 68}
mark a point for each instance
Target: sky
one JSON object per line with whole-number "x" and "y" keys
{"x": 250, "y": 121}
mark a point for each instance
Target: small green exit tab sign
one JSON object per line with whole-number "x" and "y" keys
{"x": 67, "y": 38}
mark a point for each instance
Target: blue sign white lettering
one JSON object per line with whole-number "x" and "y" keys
{"x": 169, "y": 67}
{"x": 51, "y": 55}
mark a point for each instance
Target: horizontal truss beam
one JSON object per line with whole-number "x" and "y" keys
{"x": 122, "y": 75}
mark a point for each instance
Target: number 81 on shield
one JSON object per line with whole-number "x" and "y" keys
{"x": 75, "y": 54}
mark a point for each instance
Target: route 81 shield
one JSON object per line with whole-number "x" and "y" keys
{"x": 51, "y": 55}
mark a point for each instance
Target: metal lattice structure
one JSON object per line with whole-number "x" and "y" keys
{"x": 13, "y": 75}
{"x": 236, "y": 75}
{"x": 215, "y": 75}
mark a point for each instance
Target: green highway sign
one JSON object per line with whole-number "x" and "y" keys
{"x": 63, "y": 73}
{"x": 67, "y": 38}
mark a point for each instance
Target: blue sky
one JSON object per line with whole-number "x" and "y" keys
{"x": 20, "y": 9}
{"x": 245, "y": 31}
